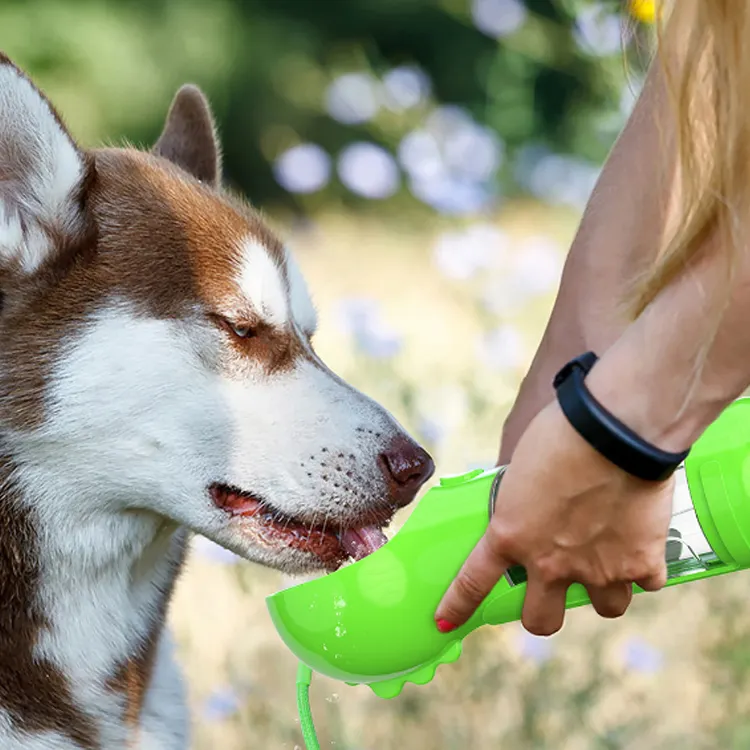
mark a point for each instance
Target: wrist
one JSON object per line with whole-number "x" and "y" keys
{"x": 686, "y": 357}
{"x": 581, "y": 458}
{"x": 561, "y": 341}
{"x": 654, "y": 399}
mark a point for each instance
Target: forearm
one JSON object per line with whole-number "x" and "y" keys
{"x": 619, "y": 233}
{"x": 687, "y": 356}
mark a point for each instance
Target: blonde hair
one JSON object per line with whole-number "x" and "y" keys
{"x": 703, "y": 49}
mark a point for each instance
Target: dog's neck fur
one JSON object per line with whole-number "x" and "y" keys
{"x": 81, "y": 636}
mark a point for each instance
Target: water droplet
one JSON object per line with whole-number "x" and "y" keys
{"x": 333, "y": 698}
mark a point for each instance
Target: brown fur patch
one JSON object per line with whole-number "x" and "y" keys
{"x": 212, "y": 226}
{"x": 38, "y": 311}
{"x": 34, "y": 692}
{"x": 276, "y": 350}
{"x": 133, "y": 675}
{"x": 191, "y": 247}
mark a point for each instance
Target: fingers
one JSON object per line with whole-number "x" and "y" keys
{"x": 544, "y": 601}
{"x": 478, "y": 576}
{"x": 611, "y": 600}
{"x": 655, "y": 581}
{"x": 544, "y": 606}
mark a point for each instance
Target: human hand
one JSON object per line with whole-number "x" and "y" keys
{"x": 567, "y": 515}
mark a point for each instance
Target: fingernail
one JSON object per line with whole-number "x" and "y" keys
{"x": 444, "y": 626}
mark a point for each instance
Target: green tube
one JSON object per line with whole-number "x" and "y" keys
{"x": 304, "y": 677}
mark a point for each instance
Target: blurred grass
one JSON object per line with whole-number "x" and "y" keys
{"x": 673, "y": 673}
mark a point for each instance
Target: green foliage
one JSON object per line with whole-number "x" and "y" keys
{"x": 112, "y": 67}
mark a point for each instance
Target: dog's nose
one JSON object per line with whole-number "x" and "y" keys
{"x": 406, "y": 467}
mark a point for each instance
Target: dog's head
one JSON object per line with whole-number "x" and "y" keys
{"x": 156, "y": 350}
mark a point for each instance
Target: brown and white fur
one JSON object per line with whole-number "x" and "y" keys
{"x": 155, "y": 344}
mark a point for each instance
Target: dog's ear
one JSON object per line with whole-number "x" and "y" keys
{"x": 43, "y": 174}
{"x": 189, "y": 136}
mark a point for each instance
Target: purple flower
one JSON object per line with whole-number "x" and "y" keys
{"x": 305, "y": 168}
{"x": 221, "y": 704}
{"x": 355, "y": 313}
{"x": 353, "y": 98}
{"x": 405, "y": 87}
{"x": 641, "y": 656}
{"x": 452, "y": 161}
{"x": 453, "y": 196}
{"x": 598, "y": 32}
{"x": 556, "y": 178}
{"x": 361, "y": 319}
{"x": 502, "y": 348}
{"x": 431, "y": 430}
{"x": 460, "y": 255}
{"x": 498, "y": 18}
{"x": 419, "y": 154}
{"x": 534, "y": 647}
{"x": 212, "y": 551}
{"x": 369, "y": 170}
{"x": 537, "y": 265}
{"x": 379, "y": 342}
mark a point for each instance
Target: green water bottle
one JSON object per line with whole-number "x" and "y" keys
{"x": 372, "y": 622}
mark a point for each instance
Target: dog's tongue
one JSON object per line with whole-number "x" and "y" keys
{"x": 359, "y": 543}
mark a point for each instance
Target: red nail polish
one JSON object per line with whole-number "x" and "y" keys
{"x": 445, "y": 627}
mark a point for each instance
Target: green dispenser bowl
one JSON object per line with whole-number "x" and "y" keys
{"x": 373, "y": 621}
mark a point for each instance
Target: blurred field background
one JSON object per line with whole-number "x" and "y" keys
{"x": 428, "y": 160}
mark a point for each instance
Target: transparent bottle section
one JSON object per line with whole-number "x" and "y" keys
{"x": 687, "y": 551}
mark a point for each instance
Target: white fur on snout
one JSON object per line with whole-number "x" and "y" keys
{"x": 308, "y": 443}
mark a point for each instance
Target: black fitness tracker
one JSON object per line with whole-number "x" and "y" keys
{"x": 604, "y": 432}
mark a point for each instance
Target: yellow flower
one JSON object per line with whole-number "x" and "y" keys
{"x": 643, "y": 10}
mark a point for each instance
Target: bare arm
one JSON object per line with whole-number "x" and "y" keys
{"x": 618, "y": 234}
{"x": 563, "y": 511}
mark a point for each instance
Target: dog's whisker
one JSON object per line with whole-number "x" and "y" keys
{"x": 312, "y": 524}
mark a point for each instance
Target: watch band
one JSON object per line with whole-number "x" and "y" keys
{"x": 603, "y": 431}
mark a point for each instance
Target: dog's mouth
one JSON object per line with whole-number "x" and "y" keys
{"x": 332, "y": 544}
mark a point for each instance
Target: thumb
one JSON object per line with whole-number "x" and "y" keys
{"x": 478, "y": 576}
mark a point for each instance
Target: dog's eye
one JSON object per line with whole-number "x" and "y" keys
{"x": 242, "y": 330}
